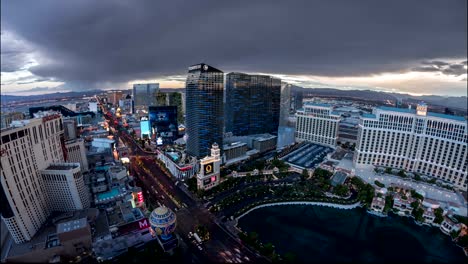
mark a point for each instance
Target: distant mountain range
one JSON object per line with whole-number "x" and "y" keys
{"x": 452, "y": 102}
{"x": 459, "y": 103}
{"x": 19, "y": 98}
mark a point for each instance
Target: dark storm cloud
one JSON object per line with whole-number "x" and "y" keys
{"x": 14, "y": 53}
{"x": 92, "y": 42}
{"x": 454, "y": 69}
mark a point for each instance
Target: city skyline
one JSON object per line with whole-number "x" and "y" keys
{"x": 314, "y": 44}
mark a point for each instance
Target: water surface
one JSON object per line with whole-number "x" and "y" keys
{"x": 324, "y": 234}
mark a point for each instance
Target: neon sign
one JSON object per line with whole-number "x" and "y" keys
{"x": 140, "y": 197}
{"x": 143, "y": 223}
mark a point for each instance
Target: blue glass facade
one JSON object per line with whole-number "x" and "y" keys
{"x": 204, "y": 109}
{"x": 252, "y": 104}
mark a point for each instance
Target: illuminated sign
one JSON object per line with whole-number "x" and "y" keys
{"x": 159, "y": 141}
{"x": 205, "y": 67}
{"x": 194, "y": 67}
{"x": 140, "y": 197}
{"x": 208, "y": 168}
{"x": 133, "y": 226}
{"x": 206, "y": 181}
{"x": 213, "y": 178}
{"x": 145, "y": 128}
{"x": 143, "y": 223}
{"x": 186, "y": 168}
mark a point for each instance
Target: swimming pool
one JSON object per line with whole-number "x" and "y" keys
{"x": 108, "y": 195}
{"x": 101, "y": 168}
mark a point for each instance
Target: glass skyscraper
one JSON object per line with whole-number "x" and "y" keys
{"x": 144, "y": 95}
{"x": 204, "y": 109}
{"x": 252, "y": 104}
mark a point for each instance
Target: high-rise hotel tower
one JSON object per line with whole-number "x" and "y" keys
{"x": 204, "y": 108}
{"x": 252, "y": 104}
{"x": 415, "y": 140}
{"x": 34, "y": 179}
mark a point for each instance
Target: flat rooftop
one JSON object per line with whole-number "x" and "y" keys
{"x": 413, "y": 111}
{"x": 308, "y": 155}
{"x": 71, "y": 225}
{"x": 62, "y": 166}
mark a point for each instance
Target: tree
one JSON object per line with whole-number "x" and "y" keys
{"x": 439, "y": 218}
{"x": 417, "y": 177}
{"x": 388, "y": 203}
{"x": 253, "y": 237}
{"x": 402, "y": 173}
{"x": 381, "y": 185}
{"x": 289, "y": 257}
{"x": 416, "y": 195}
{"x": 388, "y": 170}
{"x": 454, "y": 233}
{"x": 304, "y": 175}
{"x": 463, "y": 241}
{"x": 267, "y": 249}
{"x": 341, "y": 190}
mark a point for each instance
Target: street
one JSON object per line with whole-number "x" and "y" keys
{"x": 189, "y": 213}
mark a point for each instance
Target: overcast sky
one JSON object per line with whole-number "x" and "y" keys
{"x": 417, "y": 47}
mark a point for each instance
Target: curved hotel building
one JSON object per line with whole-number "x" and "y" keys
{"x": 415, "y": 140}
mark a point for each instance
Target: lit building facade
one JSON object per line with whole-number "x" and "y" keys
{"x": 144, "y": 95}
{"x": 317, "y": 123}
{"x": 252, "y": 104}
{"x": 26, "y": 148}
{"x": 204, "y": 106}
{"x": 208, "y": 177}
{"x": 65, "y": 187}
{"x": 415, "y": 140}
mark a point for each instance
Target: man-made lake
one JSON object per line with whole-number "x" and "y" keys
{"x": 323, "y": 234}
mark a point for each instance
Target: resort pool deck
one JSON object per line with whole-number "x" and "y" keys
{"x": 114, "y": 192}
{"x": 101, "y": 168}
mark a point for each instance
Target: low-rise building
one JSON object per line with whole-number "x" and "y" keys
{"x": 234, "y": 152}
{"x": 378, "y": 204}
{"x": 401, "y": 204}
{"x": 127, "y": 227}
{"x": 117, "y": 172}
{"x": 428, "y": 216}
{"x": 64, "y": 237}
{"x": 430, "y": 203}
{"x": 449, "y": 224}
{"x": 178, "y": 164}
{"x": 208, "y": 176}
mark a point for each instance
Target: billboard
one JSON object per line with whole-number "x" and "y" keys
{"x": 208, "y": 168}
{"x": 133, "y": 226}
{"x": 164, "y": 122}
{"x": 145, "y": 128}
